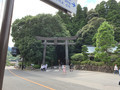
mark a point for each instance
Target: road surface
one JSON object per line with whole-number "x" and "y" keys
{"x": 54, "y": 79}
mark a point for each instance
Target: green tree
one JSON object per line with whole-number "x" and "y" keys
{"x": 102, "y": 9}
{"x": 110, "y": 10}
{"x": 118, "y": 50}
{"x": 86, "y": 34}
{"x": 25, "y": 30}
{"x": 117, "y": 34}
{"x": 78, "y": 45}
{"x": 67, "y": 19}
{"x": 92, "y": 13}
{"x": 79, "y": 20}
{"x": 89, "y": 30}
{"x": 112, "y": 5}
{"x": 119, "y": 4}
{"x": 104, "y": 42}
{"x": 76, "y": 22}
{"x": 117, "y": 58}
{"x": 84, "y": 52}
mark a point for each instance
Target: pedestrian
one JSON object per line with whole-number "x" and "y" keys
{"x": 64, "y": 69}
{"x": 22, "y": 67}
{"x": 43, "y": 67}
{"x": 59, "y": 67}
{"x": 71, "y": 67}
{"x": 119, "y": 71}
{"x": 46, "y": 67}
{"x": 115, "y": 69}
{"x": 31, "y": 67}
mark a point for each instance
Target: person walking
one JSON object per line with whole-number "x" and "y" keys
{"x": 46, "y": 67}
{"x": 71, "y": 67}
{"x": 43, "y": 67}
{"x": 119, "y": 71}
{"x": 59, "y": 67}
{"x": 115, "y": 69}
{"x": 64, "y": 69}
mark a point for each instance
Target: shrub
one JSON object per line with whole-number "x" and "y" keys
{"x": 99, "y": 63}
{"x": 92, "y": 63}
{"x": 76, "y": 62}
{"x": 84, "y": 62}
{"x": 77, "y": 57}
{"x": 36, "y": 66}
{"x": 117, "y": 62}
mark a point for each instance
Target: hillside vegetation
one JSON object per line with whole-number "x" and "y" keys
{"x": 99, "y": 27}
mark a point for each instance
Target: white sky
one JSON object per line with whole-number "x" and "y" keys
{"x": 33, "y": 7}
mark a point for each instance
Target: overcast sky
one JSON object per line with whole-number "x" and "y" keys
{"x": 33, "y": 7}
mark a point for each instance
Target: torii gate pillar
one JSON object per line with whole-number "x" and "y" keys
{"x": 44, "y": 51}
{"x": 66, "y": 52}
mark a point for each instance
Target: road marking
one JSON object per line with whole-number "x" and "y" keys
{"x": 30, "y": 80}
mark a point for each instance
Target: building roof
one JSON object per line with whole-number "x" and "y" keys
{"x": 91, "y": 49}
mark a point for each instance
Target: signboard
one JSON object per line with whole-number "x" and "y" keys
{"x": 65, "y": 5}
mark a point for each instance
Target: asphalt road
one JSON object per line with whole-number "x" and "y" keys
{"x": 55, "y": 80}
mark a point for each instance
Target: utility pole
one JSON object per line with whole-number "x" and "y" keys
{"x": 4, "y": 36}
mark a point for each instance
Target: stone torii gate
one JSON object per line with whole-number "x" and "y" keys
{"x": 57, "y": 41}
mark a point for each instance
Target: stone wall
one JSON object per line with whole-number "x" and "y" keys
{"x": 108, "y": 69}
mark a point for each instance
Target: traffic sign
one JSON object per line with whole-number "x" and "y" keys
{"x": 65, "y": 5}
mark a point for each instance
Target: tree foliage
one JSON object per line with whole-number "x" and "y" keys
{"x": 118, "y": 50}
{"x": 104, "y": 41}
{"x": 110, "y": 10}
{"x": 84, "y": 52}
{"x": 75, "y": 23}
{"x": 90, "y": 29}
{"x": 79, "y": 20}
{"x": 25, "y": 30}
{"x": 84, "y": 24}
